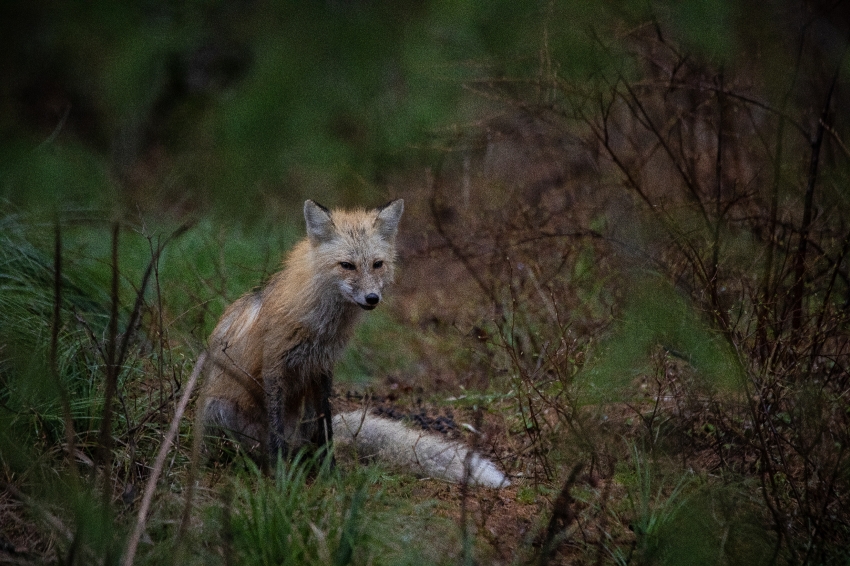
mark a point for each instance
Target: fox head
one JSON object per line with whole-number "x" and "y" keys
{"x": 355, "y": 249}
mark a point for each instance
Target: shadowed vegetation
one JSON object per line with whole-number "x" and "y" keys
{"x": 623, "y": 275}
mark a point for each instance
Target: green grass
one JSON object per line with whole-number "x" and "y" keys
{"x": 357, "y": 514}
{"x": 657, "y": 316}
{"x": 681, "y": 517}
{"x": 239, "y": 514}
{"x": 378, "y": 348}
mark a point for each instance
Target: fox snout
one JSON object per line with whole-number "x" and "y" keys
{"x": 365, "y": 296}
{"x": 366, "y": 302}
{"x": 372, "y": 300}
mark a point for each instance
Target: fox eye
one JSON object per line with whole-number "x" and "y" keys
{"x": 378, "y": 264}
{"x": 346, "y": 265}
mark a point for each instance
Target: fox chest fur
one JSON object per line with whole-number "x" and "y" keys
{"x": 269, "y": 374}
{"x": 265, "y": 341}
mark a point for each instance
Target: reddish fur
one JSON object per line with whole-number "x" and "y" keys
{"x": 273, "y": 350}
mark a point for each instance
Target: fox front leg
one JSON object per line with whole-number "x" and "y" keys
{"x": 276, "y": 443}
{"x": 279, "y": 434}
{"x": 317, "y": 421}
{"x": 323, "y": 432}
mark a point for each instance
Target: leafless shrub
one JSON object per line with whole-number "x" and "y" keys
{"x": 700, "y": 172}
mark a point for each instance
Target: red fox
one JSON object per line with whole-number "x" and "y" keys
{"x": 272, "y": 353}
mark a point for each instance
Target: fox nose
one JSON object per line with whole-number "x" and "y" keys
{"x": 372, "y": 299}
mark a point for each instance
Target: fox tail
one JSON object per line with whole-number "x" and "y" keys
{"x": 423, "y": 453}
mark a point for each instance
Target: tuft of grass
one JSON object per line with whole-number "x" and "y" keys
{"x": 720, "y": 523}
{"x": 293, "y": 520}
{"x": 655, "y": 505}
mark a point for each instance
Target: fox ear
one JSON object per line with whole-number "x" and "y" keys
{"x": 320, "y": 227}
{"x": 388, "y": 218}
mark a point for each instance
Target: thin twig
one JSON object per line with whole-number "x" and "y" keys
{"x": 197, "y": 444}
{"x": 562, "y": 517}
{"x": 133, "y": 543}
{"x": 56, "y": 323}
{"x": 105, "y": 436}
{"x": 808, "y": 206}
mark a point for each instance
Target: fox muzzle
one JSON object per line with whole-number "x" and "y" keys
{"x": 372, "y": 300}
